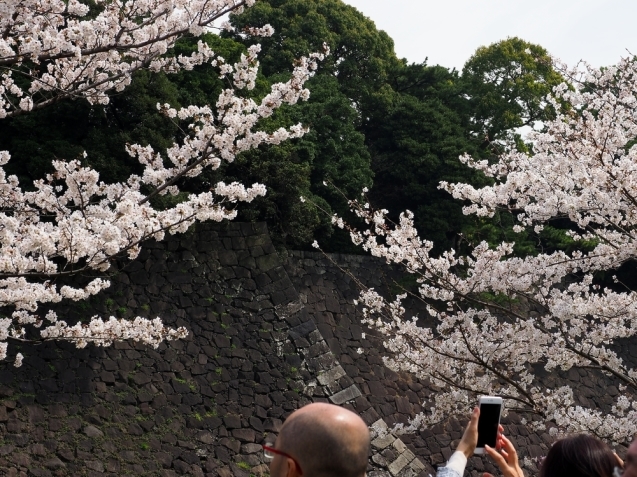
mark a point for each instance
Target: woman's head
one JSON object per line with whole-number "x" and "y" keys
{"x": 579, "y": 456}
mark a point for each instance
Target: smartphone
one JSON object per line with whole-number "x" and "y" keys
{"x": 490, "y": 410}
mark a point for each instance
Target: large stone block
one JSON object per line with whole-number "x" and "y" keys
{"x": 266, "y": 263}
{"x": 346, "y": 395}
{"x": 331, "y": 376}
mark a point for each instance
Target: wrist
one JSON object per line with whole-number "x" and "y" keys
{"x": 466, "y": 450}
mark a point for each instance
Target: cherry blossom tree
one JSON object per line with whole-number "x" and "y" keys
{"x": 55, "y": 49}
{"x": 69, "y": 221}
{"x": 497, "y": 317}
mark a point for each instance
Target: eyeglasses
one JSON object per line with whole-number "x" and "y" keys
{"x": 269, "y": 452}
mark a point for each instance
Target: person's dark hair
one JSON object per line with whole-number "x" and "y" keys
{"x": 579, "y": 456}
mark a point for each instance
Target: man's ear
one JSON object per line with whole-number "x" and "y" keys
{"x": 292, "y": 469}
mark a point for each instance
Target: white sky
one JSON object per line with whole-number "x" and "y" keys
{"x": 449, "y": 31}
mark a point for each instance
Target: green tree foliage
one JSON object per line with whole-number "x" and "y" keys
{"x": 342, "y": 94}
{"x": 67, "y": 129}
{"x": 202, "y": 85}
{"x": 506, "y": 83}
{"x": 361, "y": 55}
{"x": 426, "y": 117}
{"x": 416, "y": 131}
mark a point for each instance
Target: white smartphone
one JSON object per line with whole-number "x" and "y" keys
{"x": 490, "y": 411}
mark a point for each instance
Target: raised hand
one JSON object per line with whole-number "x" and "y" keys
{"x": 505, "y": 457}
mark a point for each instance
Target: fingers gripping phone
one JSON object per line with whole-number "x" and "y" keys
{"x": 489, "y": 421}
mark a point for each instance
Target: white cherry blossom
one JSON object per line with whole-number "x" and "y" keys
{"x": 495, "y": 318}
{"x": 70, "y": 221}
{"x": 63, "y": 52}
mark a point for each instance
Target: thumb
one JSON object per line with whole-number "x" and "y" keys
{"x": 496, "y": 456}
{"x": 475, "y": 415}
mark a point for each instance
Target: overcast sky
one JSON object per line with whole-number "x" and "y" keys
{"x": 448, "y": 32}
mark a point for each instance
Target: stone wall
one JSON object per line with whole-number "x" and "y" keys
{"x": 199, "y": 406}
{"x": 268, "y": 334}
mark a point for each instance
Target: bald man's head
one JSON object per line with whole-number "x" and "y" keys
{"x": 327, "y": 441}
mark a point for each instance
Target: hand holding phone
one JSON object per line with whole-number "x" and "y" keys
{"x": 490, "y": 411}
{"x": 470, "y": 436}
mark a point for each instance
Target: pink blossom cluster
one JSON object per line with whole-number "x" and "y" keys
{"x": 72, "y": 221}
{"x": 63, "y": 52}
{"x": 498, "y": 317}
